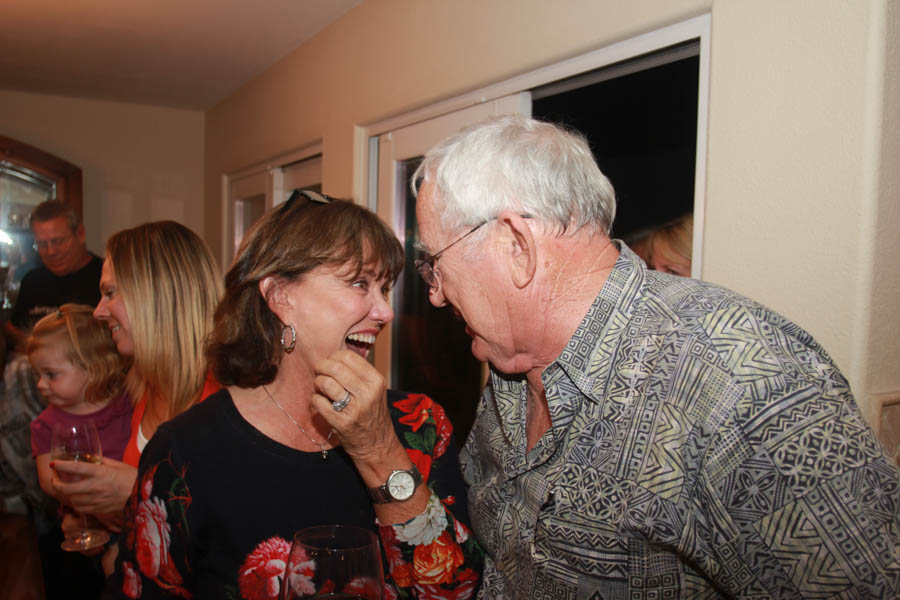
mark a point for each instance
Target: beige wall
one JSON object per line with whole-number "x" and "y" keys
{"x": 139, "y": 163}
{"x": 801, "y": 198}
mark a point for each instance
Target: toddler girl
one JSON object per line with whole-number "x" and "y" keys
{"x": 82, "y": 378}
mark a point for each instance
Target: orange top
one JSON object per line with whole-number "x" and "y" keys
{"x": 132, "y": 455}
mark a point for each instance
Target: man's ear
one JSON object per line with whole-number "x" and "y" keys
{"x": 521, "y": 249}
{"x": 273, "y": 292}
{"x": 80, "y": 234}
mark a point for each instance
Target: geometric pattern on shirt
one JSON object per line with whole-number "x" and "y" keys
{"x": 701, "y": 445}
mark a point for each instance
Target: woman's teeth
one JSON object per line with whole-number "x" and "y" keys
{"x": 362, "y": 338}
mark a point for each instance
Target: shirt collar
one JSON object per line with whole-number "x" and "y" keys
{"x": 610, "y": 309}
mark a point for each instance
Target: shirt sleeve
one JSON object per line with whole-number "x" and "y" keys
{"x": 434, "y": 554}
{"x": 812, "y": 511}
{"x": 153, "y": 560}
{"x": 40, "y": 436}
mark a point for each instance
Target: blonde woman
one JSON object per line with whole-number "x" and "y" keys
{"x": 159, "y": 289}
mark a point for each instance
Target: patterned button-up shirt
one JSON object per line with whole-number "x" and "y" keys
{"x": 701, "y": 446}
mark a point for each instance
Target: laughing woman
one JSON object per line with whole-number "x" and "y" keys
{"x": 305, "y": 433}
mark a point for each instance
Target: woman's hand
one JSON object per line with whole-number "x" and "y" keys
{"x": 94, "y": 489}
{"x": 364, "y": 425}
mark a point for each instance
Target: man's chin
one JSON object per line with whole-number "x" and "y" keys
{"x": 59, "y": 271}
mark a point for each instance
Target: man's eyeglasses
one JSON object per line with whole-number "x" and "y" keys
{"x": 44, "y": 245}
{"x": 425, "y": 266}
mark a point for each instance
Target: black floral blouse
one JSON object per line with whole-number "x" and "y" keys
{"x": 217, "y": 502}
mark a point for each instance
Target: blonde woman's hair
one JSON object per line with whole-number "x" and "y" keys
{"x": 86, "y": 343}
{"x": 170, "y": 286}
{"x": 679, "y": 234}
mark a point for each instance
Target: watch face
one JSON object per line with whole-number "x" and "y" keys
{"x": 401, "y": 485}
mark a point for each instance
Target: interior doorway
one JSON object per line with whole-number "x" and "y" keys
{"x": 640, "y": 118}
{"x": 642, "y": 105}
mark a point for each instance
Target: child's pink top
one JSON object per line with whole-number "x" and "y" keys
{"x": 113, "y": 423}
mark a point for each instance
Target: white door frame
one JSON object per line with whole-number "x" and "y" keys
{"x": 266, "y": 177}
{"x": 697, "y": 28}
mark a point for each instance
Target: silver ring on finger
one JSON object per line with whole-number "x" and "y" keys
{"x": 341, "y": 404}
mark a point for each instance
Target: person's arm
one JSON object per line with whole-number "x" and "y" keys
{"x": 815, "y": 508}
{"x": 45, "y": 474}
{"x": 434, "y": 554}
{"x": 154, "y": 548}
{"x": 429, "y": 532}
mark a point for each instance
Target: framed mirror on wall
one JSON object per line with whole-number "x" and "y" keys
{"x": 28, "y": 176}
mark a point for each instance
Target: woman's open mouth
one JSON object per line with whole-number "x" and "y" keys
{"x": 360, "y": 343}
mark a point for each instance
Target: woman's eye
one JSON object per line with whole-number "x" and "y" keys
{"x": 362, "y": 284}
{"x": 386, "y": 291}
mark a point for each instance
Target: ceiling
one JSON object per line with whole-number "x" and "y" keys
{"x": 177, "y": 53}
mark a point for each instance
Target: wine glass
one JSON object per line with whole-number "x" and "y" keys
{"x": 335, "y": 562}
{"x": 79, "y": 442}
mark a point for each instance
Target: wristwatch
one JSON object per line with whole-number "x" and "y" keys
{"x": 400, "y": 486}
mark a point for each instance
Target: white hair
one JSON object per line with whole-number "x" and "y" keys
{"x": 516, "y": 163}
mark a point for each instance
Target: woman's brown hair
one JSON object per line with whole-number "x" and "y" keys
{"x": 307, "y": 231}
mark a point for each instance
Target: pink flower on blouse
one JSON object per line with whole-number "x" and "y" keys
{"x": 131, "y": 583}
{"x": 364, "y": 587}
{"x": 260, "y": 575}
{"x": 152, "y": 536}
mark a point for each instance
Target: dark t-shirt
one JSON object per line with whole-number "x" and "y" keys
{"x": 42, "y": 292}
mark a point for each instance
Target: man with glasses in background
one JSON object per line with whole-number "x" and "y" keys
{"x": 69, "y": 273}
{"x": 641, "y": 435}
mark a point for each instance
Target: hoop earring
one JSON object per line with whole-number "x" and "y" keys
{"x": 288, "y": 348}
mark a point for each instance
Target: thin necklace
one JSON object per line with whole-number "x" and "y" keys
{"x": 300, "y": 427}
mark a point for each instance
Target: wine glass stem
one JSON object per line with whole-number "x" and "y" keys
{"x": 84, "y": 531}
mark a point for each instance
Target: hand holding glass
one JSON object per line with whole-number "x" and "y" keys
{"x": 80, "y": 443}
{"x": 335, "y": 562}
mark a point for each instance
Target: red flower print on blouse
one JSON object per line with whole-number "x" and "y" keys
{"x": 364, "y": 587}
{"x": 465, "y": 584}
{"x": 390, "y": 592}
{"x": 444, "y": 430}
{"x": 391, "y": 545}
{"x": 399, "y": 570}
{"x": 437, "y": 562}
{"x": 462, "y": 532}
{"x": 418, "y": 409}
{"x": 131, "y": 582}
{"x": 421, "y": 460}
{"x": 152, "y": 530}
{"x": 260, "y": 575}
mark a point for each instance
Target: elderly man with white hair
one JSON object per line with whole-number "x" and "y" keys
{"x": 641, "y": 435}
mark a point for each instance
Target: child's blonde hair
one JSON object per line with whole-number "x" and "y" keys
{"x": 86, "y": 343}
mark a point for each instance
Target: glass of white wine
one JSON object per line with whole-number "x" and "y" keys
{"x": 81, "y": 443}
{"x": 334, "y": 562}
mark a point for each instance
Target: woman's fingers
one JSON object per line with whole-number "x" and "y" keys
{"x": 94, "y": 488}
